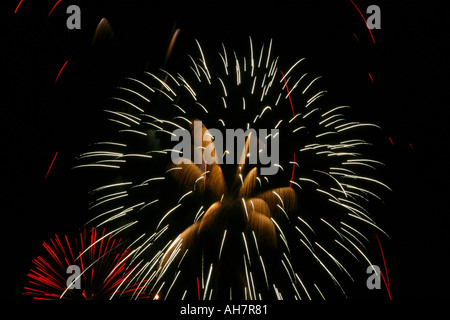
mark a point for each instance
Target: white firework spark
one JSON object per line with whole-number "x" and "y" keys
{"x": 307, "y": 220}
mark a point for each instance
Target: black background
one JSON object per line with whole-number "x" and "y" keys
{"x": 408, "y": 98}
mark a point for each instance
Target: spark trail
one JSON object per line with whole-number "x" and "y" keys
{"x": 298, "y": 234}
{"x": 102, "y": 260}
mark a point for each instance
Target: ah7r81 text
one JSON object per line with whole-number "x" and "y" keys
{"x": 245, "y": 309}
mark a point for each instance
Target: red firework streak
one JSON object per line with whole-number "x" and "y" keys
{"x": 198, "y": 289}
{"x": 60, "y": 70}
{"x": 17, "y": 8}
{"x": 385, "y": 279}
{"x": 293, "y": 114}
{"x": 362, "y": 16}
{"x": 51, "y": 164}
{"x": 53, "y": 8}
{"x": 102, "y": 262}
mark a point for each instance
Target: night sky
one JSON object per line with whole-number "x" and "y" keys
{"x": 407, "y": 96}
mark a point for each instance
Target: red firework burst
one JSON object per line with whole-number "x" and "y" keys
{"x": 96, "y": 269}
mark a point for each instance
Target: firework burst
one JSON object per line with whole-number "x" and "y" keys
{"x": 240, "y": 234}
{"x": 101, "y": 261}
